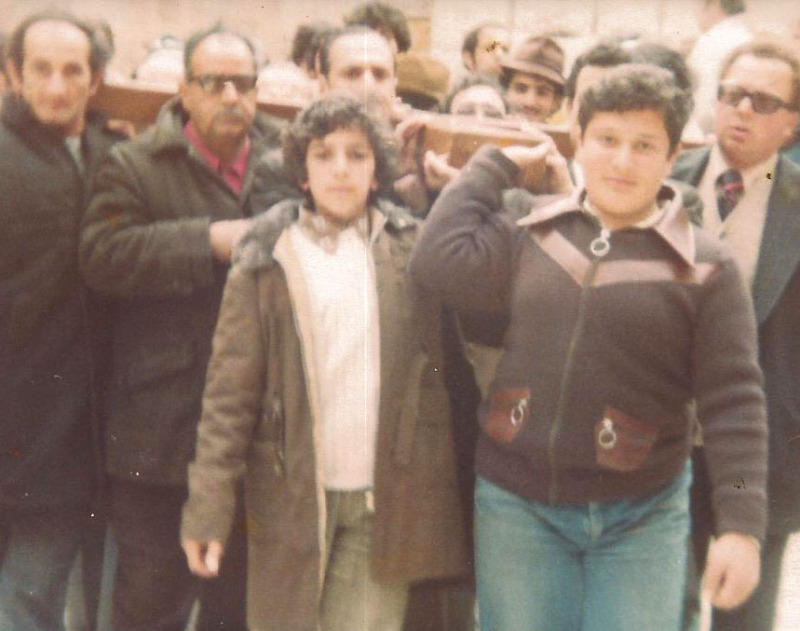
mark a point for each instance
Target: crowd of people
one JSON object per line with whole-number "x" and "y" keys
{"x": 309, "y": 374}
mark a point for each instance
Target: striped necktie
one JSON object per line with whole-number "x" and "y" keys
{"x": 729, "y": 188}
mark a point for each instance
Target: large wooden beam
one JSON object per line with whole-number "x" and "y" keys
{"x": 139, "y": 103}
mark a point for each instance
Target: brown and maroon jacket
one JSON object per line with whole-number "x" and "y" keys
{"x": 603, "y": 352}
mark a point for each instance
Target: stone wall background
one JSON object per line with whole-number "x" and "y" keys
{"x": 440, "y": 24}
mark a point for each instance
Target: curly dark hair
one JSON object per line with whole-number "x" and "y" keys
{"x": 306, "y": 42}
{"x": 638, "y": 87}
{"x": 605, "y": 54}
{"x": 667, "y": 58}
{"x": 324, "y": 117}
{"x": 383, "y": 18}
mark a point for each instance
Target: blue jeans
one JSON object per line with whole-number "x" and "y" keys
{"x": 617, "y": 566}
{"x": 37, "y": 552}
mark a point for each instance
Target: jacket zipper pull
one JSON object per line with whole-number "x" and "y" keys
{"x": 607, "y": 438}
{"x": 280, "y": 439}
{"x": 601, "y": 245}
{"x": 518, "y": 412}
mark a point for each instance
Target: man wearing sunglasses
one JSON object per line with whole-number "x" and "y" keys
{"x": 752, "y": 200}
{"x": 167, "y": 209}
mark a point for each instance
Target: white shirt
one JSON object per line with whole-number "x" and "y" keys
{"x": 705, "y": 61}
{"x": 345, "y": 353}
{"x": 744, "y": 226}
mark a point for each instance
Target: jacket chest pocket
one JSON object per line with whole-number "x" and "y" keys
{"x": 623, "y": 443}
{"x": 271, "y": 436}
{"x": 508, "y": 412}
{"x": 425, "y": 410}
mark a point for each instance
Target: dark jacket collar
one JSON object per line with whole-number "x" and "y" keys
{"x": 691, "y": 164}
{"x": 18, "y": 116}
{"x": 673, "y": 226}
{"x": 255, "y": 250}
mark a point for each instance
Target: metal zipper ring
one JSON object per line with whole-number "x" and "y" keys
{"x": 518, "y": 412}
{"x": 600, "y": 246}
{"x": 607, "y": 438}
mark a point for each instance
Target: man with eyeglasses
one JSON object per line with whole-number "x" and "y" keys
{"x": 167, "y": 210}
{"x": 751, "y": 196}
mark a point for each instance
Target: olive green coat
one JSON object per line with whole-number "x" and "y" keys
{"x": 259, "y": 421}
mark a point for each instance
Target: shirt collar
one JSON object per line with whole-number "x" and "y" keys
{"x": 326, "y": 233}
{"x": 671, "y": 223}
{"x": 237, "y": 167}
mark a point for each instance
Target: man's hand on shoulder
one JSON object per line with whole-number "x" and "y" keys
{"x": 224, "y": 235}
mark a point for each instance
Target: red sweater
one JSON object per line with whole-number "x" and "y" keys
{"x": 604, "y": 352}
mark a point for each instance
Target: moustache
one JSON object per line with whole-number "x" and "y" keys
{"x": 233, "y": 113}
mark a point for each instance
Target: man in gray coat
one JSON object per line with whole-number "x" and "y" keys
{"x": 167, "y": 210}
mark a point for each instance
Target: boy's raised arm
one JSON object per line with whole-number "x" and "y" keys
{"x": 466, "y": 248}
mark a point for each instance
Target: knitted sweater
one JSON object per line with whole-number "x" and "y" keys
{"x": 609, "y": 342}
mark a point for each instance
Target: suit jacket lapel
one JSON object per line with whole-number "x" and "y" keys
{"x": 780, "y": 244}
{"x": 690, "y": 165}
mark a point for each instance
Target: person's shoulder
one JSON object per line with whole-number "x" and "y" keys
{"x": 256, "y": 249}
{"x": 398, "y": 218}
{"x": 787, "y": 169}
{"x": 268, "y": 130}
{"x": 710, "y": 250}
{"x": 690, "y": 164}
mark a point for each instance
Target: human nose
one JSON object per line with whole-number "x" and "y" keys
{"x": 622, "y": 156}
{"x": 532, "y": 101}
{"x": 340, "y": 164}
{"x": 745, "y": 104}
{"x": 229, "y": 92}
{"x": 369, "y": 81}
{"x": 56, "y": 83}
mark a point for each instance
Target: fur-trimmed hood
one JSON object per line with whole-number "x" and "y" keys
{"x": 255, "y": 250}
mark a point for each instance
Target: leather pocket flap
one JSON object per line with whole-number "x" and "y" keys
{"x": 623, "y": 443}
{"x": 508, "y": 411}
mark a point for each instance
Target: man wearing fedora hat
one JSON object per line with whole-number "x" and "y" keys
{"x": 533, "y": 77}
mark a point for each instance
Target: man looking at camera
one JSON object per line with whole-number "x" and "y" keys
{"x": 167, "y": 210}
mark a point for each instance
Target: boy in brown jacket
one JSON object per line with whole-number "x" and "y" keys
{"x": 325, "y": 392}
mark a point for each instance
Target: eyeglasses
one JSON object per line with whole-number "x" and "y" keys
{"x": 215, "y": 83}
{"x": 761, "y": 102}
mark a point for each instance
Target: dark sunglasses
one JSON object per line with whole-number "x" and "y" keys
{"x": 215, "y": 83}
{"x": 761, "y": 102}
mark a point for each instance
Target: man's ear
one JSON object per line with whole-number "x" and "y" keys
{"x": 183, "y": 90}
{"x": 468, "y": 60}
{"x": 577, "y": 138}
{"x": 97, "y": 81}
{"x": 557, "y": 103}
{"x": 788, "y": 131}
{"x": 14, "y": 76}
{"x": 673, "y": 156}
